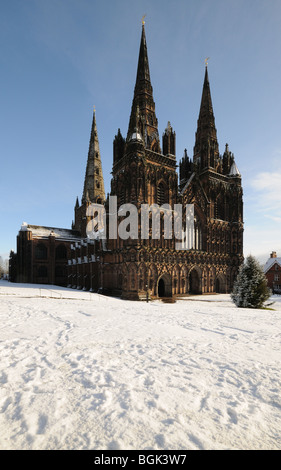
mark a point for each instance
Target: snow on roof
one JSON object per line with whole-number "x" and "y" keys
{"x": 39, "y": 231}
{"x": 234, "y": 170}
{"x": 136, "y": 136}
{"x": 188, "y": 183}
{"x": 270, "y": 262}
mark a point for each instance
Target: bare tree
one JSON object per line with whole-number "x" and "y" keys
{"x": 1, "y": 266}
{"x": 4, "y": 266}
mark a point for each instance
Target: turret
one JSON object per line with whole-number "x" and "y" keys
{"x": 186, "y": 168}
{"x": 118, "y": 147}
{"x": 169, "y": 141}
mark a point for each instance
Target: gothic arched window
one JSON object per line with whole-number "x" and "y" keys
{"x": 220, "y": 213}
{"x": 160, "y": 194}
{"x": 41, "y": 251}
{"x": 61, "y": 252}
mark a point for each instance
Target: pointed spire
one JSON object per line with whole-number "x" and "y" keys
{"x": 143, "y": 117}
{"x": 206, "y": 145}
{"x": 143, "y": 65}
{"x": 206, "y": 120}
{"x": 93, "y": 184}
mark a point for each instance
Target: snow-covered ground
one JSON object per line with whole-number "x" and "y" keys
{"x": 84, "y": 371}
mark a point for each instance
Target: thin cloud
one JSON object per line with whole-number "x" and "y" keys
{"x": 261, "y": 241}
{"x": 267, "y": 188}
{"x": 274, "y": 218}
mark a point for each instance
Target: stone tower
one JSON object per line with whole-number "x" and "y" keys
{"x": 141, "y": 172}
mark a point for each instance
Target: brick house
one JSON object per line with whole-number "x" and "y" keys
{"x": 272, "y": 271}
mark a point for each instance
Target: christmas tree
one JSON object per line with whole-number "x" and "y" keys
{"x": 250, "y": 288}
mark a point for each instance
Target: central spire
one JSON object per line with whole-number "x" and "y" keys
{"x": 143, "y": 65}
{"x": 206, "y": 144}
{"x": 206, "y": 120}
{"x": 143, "y": 118}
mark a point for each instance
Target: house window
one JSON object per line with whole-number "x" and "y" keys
{"x": 276, "y": 267}
{"x": 276, "y": 277}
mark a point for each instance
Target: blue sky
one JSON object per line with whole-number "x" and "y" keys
{"x": 59, "y": 58}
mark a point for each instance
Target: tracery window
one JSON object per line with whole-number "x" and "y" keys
{"x": 160, "y": 194}
{"x": 220, "y": 213}
{"x": 193, "y": 236}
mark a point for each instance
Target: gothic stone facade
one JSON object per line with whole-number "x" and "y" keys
{"x": 145, "y": 173}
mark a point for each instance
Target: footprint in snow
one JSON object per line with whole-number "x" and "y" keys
{"x": 160, "y": 440}
{"x": 3, "y": 378}
{"x": 42, "y": 424}
{"x": 113, "y": 445}
{"x": 233, "y": 416}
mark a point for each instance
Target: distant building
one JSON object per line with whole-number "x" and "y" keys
{"x": 42, "y": 254}
{"x": 144, "y": 172}
{"x": 272, "y": 271}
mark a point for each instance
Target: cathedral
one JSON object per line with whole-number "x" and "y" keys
{"x": 144, "y": 172}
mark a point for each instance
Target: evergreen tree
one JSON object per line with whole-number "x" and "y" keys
{"x": 250, "y": 288}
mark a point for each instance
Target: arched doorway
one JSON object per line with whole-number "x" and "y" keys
{"x": 165, "y": 286}
{"x": 194, "y": 282}
{"x": 220, "y": 284}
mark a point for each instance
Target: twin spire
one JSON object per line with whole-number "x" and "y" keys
{"x": 143, "y": 119}
{"x": 206, "y": 148}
